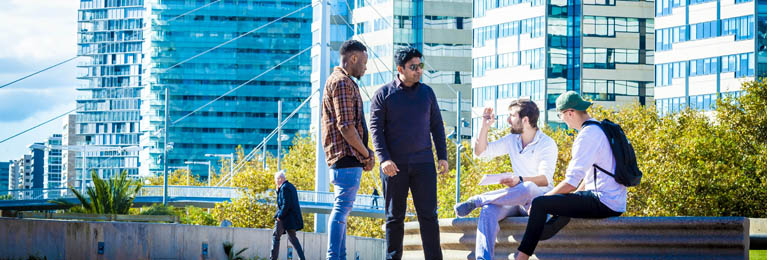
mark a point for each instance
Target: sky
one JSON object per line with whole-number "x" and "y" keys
{"x": 36, "y": 34}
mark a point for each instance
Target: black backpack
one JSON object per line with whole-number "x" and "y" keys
{"x": 627, "y": 172}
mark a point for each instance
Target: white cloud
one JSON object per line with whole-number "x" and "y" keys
{"x": 35, "y": 34}
{"x": 39, "y": 29}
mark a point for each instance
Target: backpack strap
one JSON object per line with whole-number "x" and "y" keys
{"x": 595, "y": 174}
{"x": 590, "y": 122}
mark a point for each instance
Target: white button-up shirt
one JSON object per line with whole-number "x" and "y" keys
{"x": 591, "y": 147}
{"x": 539, "y": 157}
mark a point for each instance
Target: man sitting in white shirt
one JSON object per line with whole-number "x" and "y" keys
{"x": 597, "y": 196}
{"x": 533, "y": 158}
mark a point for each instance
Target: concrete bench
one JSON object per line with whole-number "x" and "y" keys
{"x": 620, "y": 237}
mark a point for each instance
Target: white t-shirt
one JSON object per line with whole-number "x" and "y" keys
{"x": 591, "y": 147}
{"x": 537, "y": 158}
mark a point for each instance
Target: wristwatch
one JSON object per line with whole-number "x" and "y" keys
{"x": 520, "y": 180}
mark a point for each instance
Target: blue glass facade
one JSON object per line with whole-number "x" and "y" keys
{"x": 243, "y": 117}
{"x": 564, "y": 43}
{"x": 53, "y": 178}
{"x": 110, "y": 35}
{"x": 5, "y": 173}
{"x": 37, "y": 167}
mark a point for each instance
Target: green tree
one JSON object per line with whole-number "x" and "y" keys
{"x": 111, "y": 196}
{"x": 258, "y": 187}
{"x": 180, "y": 177}
{"x": 694, "y": 163}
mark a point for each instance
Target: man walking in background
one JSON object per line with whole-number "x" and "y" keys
{"x": 405, "y": 119}
{"x": 288, "y": 218}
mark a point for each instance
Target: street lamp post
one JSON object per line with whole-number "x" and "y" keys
{"x": 458, "y": 145}
{"x": 201, "y": 163}
{"x": 231, "y": 160}
{"x": 263, "y": 155}
{"x": 279, "y": 134}
{"x": 458, "y": 124}
{"x": 165, "y": 152}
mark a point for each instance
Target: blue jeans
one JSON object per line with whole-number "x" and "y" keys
{"x": 346, "y": 182}
{"x": 497, "y": 205}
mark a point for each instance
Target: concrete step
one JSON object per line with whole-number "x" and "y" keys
{"x": 621, "y": 237}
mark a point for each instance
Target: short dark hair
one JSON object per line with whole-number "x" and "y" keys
{"x": 527, "y": 108}
{"x": 351, "y": 46}
{"x": 405, "y": 54}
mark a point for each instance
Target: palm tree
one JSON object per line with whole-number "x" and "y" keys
{"x": 110, "y": 196}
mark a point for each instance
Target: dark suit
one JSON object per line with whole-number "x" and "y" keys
{"x": 288, "y": 219}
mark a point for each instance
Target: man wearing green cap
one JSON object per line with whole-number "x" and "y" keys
{"x": 597, "y": 196}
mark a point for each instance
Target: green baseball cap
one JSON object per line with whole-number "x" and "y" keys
{"x": 571, "y": 100}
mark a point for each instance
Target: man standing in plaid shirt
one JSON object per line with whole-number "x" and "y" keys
{"x": 345, "y": 138}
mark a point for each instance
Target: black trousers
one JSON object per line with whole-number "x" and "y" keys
{"x": 582, "y": 204}
{"x": 421, "y": 180}
{"x": 278, "y": 231}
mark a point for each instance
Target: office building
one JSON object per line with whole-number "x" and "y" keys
{"x": 243, "y": 117}
{"x": 706, "y": 49}
{"x": 537, "y": 50}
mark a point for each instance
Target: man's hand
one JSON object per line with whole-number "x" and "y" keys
{"x": 442, "y": 166}
{"x": 389, "y": 168}
{"x": 369, "y": 164}
{"x": 488, "y": 118}
{"x": 510, "y": 181}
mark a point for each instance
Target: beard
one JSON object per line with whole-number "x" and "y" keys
{"x": 516, "y": 129}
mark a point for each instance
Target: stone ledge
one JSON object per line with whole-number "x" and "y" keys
{"x": 620, "y": 237}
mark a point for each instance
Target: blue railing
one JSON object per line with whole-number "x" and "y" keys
{"x": 311, "y": 200}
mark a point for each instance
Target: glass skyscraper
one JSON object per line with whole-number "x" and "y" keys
{"x": 706, "y": 49}
{"x": 110, "y": 36}
{"x": 539, "y": 49}
{"x": 52, "y": 176}
{"x": 243, "y": 117}
{"x": 5, "y": 179}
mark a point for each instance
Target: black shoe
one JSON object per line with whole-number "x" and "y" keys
{"x": 553, "y": 225}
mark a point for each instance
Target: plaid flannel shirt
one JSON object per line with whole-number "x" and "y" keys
{"x": 341, "y": 106}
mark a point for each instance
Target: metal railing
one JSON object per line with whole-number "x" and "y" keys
{"x": 324, "y": 199}
{"x": 40, "y": 194}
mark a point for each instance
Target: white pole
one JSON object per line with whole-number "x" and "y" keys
{"x": 82, "y": 178}
{"x": 321, "y": 168}
{"x": 231, "y": 164}
{"x": 165, "y": 153}
{"x": 209, "y": 173}
{"x": 279, "y": 134}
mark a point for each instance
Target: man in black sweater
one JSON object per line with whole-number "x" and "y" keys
{"x": 404, "y": 120}
{"x": 288, "y": 217}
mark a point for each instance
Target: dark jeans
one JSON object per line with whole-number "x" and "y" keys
{"x": 582, "y": 204}
{"x": 278, "y": 231}
{"x": 421, "y": 179}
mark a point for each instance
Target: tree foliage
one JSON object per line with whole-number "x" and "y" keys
{"x": 258, "y": 186}
{"x": 694, "y": 163}
{"x": 111, "y": 196}
{"x": 180, "y": 177}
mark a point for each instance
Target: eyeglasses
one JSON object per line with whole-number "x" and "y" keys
{"x": 560, "y": 113}
{"x": 413, "y": 67}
